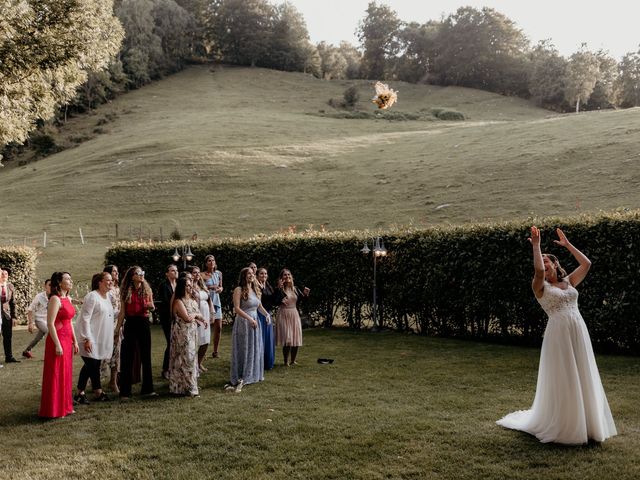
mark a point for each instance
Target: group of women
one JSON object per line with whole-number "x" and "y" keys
{"x": 113, "y": 332}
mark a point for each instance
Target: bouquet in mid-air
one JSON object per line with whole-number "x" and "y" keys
{"x": 385, "y": 96}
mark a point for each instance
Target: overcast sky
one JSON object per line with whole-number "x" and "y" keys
{"x": 611, "y": 24}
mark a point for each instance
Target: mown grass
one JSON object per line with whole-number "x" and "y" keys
{"x": 240, "y": 151}
{"x": 391, "y": 406}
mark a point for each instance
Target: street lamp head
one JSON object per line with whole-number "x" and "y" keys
{"x": 365, "y": 250}
{"x": 189, "y": 255}
{"x": 383, "y": 251}
{"x": 176, "y": 255}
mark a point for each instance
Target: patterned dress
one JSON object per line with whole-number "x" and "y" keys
{"x": 183, "y": 356}
{"x": 247, "y": 354}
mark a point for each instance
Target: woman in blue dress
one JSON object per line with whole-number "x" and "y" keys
{"x": 247, "y": 354}
{"x": 213, "y": 280}
{"x": 267, "y": 327}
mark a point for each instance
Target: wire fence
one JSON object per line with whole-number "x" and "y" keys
{"x": 95, "y": 234}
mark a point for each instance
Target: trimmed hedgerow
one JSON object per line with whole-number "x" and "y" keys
{"x": 21, "y": 262}
{"x": 471, "y": 281}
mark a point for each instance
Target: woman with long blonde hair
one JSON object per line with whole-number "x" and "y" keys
{"x": 288, "y": 324}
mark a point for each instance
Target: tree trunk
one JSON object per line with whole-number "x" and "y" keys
{"x": 578, "y": 105}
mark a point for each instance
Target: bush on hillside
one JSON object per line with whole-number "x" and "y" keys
{"x": 447, "y": 114}
{"x": 351, "y": 97}
{"x": 21, "y": 262}
{"x": 470, "y": 281}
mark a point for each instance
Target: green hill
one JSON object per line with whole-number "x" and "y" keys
{"x": 239, "y": 151}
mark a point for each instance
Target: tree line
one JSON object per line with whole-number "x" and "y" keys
{"x": 62, "y": 56}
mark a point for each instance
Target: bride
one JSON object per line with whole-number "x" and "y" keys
{"x": 570, "y": 405}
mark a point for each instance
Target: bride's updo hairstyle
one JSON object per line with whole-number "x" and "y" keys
{"x": 560, "y": 272}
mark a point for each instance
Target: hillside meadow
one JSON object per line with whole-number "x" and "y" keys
{"x": 229, "y": 151}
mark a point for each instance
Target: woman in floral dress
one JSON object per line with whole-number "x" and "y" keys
{"x": 183, "y": 356}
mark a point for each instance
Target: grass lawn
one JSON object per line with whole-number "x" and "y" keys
{"x": 391, "y": 406}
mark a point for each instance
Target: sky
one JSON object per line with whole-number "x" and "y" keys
{"x": 611, "y": 25}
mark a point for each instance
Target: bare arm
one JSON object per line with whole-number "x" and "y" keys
{"x": 52, "y": 312}
{"x": 181, "y": 311}
{"x": 237, "y": 293}
{"x": 84, "y": 322}
{"x": 537, "y": 284}
{"x": 116, "y": 332}
{"x": 584, "y": 264}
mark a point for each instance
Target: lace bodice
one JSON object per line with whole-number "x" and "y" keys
{"x": 557, "y": 300}
{"x": 250, "y": 305}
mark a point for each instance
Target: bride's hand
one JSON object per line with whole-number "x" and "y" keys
{"x": 563, "y": 241}
{"x": 535, "y": 236}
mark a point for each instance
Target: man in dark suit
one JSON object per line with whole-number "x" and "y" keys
{"x": 8, "y": 313}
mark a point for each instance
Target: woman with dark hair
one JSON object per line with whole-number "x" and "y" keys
{"x": 113, "y": 363}
{"x": 60, "y": 346}
{"x": 95, "y": 329}
{"x": 165, "y": 295}
{"x": 288, "y": 324}
{"x": 268, "y": 339}
{"x": 570, "y": 405}
{"x": 183, "y": 358}
{"x": 213, "y": 280}
{"x": 136, "y": 302}
{"x": 247, "y": 355}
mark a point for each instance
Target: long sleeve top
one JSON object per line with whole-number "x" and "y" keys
{"x": 95, "y": 323}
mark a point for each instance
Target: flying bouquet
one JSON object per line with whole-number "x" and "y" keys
{"x": 385, "y": 96}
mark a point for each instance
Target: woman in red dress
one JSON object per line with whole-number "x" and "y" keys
{"x": 61, "y": 345}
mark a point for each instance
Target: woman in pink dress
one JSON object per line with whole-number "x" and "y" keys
{"x": 60, "y": 346}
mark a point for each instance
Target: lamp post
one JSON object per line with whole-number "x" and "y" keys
{"x": 378, "y": 251}
{"x": 185, "y": 254}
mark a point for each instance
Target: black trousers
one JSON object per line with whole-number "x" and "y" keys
{"x": 166, "y": 328}
{"x": 7, "y": 333}
{"x": 136, "y": 335}
{"x": 90, "y": 370}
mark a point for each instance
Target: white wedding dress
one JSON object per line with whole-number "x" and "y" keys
{"x": 570, "y": 405}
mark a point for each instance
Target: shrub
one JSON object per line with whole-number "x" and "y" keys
{"x": 175, "y": 234}
{"x": 21, "y": 261}
{"x": 470, "y": 281}
{"x": 351, "y": 97}
{"x": 44, "y": 143}
{"x": 444, "y": 114}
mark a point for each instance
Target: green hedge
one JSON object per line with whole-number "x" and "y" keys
{"x": 21, "y": 261}
{"x": 470, "y": 281}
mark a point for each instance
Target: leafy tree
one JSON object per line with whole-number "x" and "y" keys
{"x": 581, "y": 75}
{"x": 417, "y": 51}
{"x": 481, "y": 49}
{"x": 353, "y": 58}
{"x": 603, "y": 95}
{"x": 378, "y": 35}
{"x": 174, "y": 26}
{"x": 332, "y": 61}
{"x": 142, "y": 48}
{"x": 627, "y": 85}
{"x": 46, "y": 49}
{"x": 546, "y": 81}
{"x": 240, "y": 30}
{"x": 290, "y": 45}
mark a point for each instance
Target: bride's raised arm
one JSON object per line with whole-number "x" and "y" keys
{"x": 584, "y": 264}
{"x": 537, "y": 284}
